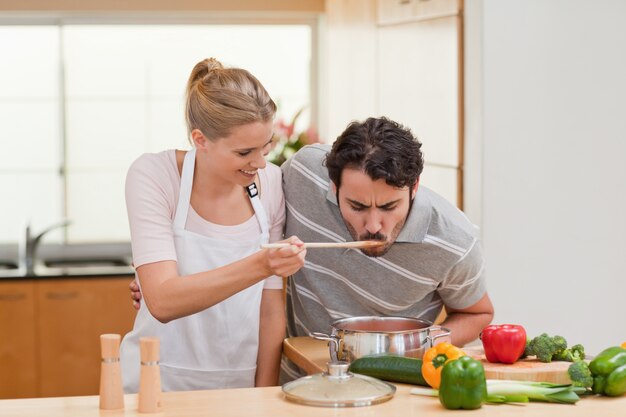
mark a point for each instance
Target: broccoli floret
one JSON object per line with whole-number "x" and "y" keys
{"x": 578, "y": 352}
{"x": 545, "y": 347}
{"x": 580, "y": 374}
{"x": 574, "y": 354}
{"x": 563, "y": 355}
{"x": 553, "y": 348}
{"x": 560, "y": 343}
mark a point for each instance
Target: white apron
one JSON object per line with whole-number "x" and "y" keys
{"x": 217, "y": 347}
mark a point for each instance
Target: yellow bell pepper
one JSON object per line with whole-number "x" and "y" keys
{"x": 623, "y": 345}
{"x": 435, "y": 358}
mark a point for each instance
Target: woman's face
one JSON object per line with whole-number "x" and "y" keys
{"x": 237, "y": 157}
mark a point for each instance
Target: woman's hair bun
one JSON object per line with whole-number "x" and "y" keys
{"x": 213, "y": 64}
{"x": 202, "y": 71}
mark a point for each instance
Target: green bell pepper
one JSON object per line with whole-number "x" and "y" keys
{"x": 463, "y": 384}
{"x": 609, "y": 372}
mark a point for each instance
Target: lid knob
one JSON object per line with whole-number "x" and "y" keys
{"x": 338, "y": 369}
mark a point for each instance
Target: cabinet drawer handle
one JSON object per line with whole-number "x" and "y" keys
{"x": 62, "y": 295}
{"x": 12, "y": 296}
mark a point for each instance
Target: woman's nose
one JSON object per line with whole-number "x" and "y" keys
{"x": 259, "y": 162}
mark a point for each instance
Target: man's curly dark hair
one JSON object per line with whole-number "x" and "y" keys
{"x": 380, "y": 147}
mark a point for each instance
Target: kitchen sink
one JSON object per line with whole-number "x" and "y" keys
{"x": 59, "y": 260}
{"x": 84, "y": 266}
{"x": 86, "y": 263}
{"x": 69, "y": 267}
{"x": 7, "y": 265}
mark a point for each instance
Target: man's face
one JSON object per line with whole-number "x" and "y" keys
{"x": 372, "y": 210}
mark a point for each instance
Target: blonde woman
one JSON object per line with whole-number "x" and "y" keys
{"x": 197, "y": 221}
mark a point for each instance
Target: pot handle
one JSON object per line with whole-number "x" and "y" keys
{"x": 443, "y": 335}
{"x": 333, "y": 344}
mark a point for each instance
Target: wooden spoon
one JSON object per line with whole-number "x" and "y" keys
{"x": 357, "y": 244}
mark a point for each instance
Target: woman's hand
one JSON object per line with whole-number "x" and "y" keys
{"x": 286, "y": 261}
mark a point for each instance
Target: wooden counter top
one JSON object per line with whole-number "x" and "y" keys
{"x": 269, "y": 402}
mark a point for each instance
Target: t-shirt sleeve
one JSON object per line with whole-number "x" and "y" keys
{"x": 465, "y": 284}
{"x": 150, "y": 201}
{"x": 273, "y": 191}
{"x": 276, "y": 204}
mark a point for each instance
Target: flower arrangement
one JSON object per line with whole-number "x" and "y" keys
{"x": 286, "y": 141}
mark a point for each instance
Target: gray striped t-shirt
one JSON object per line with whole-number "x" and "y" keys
{"x": 436, "y": 261}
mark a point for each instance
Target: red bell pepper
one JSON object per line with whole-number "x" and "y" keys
{"x": 503, "y": 343}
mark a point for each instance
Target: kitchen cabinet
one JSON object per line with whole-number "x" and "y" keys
{"x": 51, "y": 329}
{"x": 72, "y": 316}
{"x": 421, "y": 88}
{"x": 400, "y": 11}
{"x": 18, "y": 359}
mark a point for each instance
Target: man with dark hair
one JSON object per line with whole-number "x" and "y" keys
{"x": 366, "y": 188}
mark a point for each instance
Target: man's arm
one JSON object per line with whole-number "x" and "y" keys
{"x": 467, "y": 323}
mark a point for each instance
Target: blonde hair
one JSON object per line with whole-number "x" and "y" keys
{"x": 219, "y": 99}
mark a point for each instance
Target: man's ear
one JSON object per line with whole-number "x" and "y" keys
{"x": 332, "y": 184}
{"x": 414, "y": 190}
{"x": 198, "y": 139}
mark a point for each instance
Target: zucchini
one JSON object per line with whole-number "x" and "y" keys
{"x": 390, "y": 368}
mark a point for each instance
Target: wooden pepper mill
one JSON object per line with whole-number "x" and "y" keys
{"x": 111, "y": 393}
{"x": 150, "y": 376}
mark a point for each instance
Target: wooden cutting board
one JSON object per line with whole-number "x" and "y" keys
{"x": 522, "y": 370}
{"x": 312, "y": 355}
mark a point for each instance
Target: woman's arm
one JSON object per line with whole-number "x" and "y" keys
{"x": 169, "y": 296}
{"x": 271, "y": 335}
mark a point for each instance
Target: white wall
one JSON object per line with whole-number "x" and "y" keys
{"x": 546, "y": 134}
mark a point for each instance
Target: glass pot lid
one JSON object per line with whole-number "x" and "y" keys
{"x": 338, "y": 388}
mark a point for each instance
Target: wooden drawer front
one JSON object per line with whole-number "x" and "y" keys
{"x": 18, "y": 366}
{"x": 72, "y": 316}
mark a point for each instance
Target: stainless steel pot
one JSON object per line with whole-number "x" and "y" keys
{"x": 356, "y": 337}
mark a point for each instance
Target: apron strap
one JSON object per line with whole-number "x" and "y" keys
{"x": 186, "y": 183}
{"x": 261, "y": 216}
{"x": 184, "y": 198}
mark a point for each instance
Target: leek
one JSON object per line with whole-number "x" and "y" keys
{"x": 507, "y": 391}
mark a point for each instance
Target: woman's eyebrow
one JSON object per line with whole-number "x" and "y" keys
{"x": 251, "y": 149}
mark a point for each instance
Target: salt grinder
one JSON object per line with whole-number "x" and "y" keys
{"x": 150, "y": 376}
{"x": 111, "y": 393}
